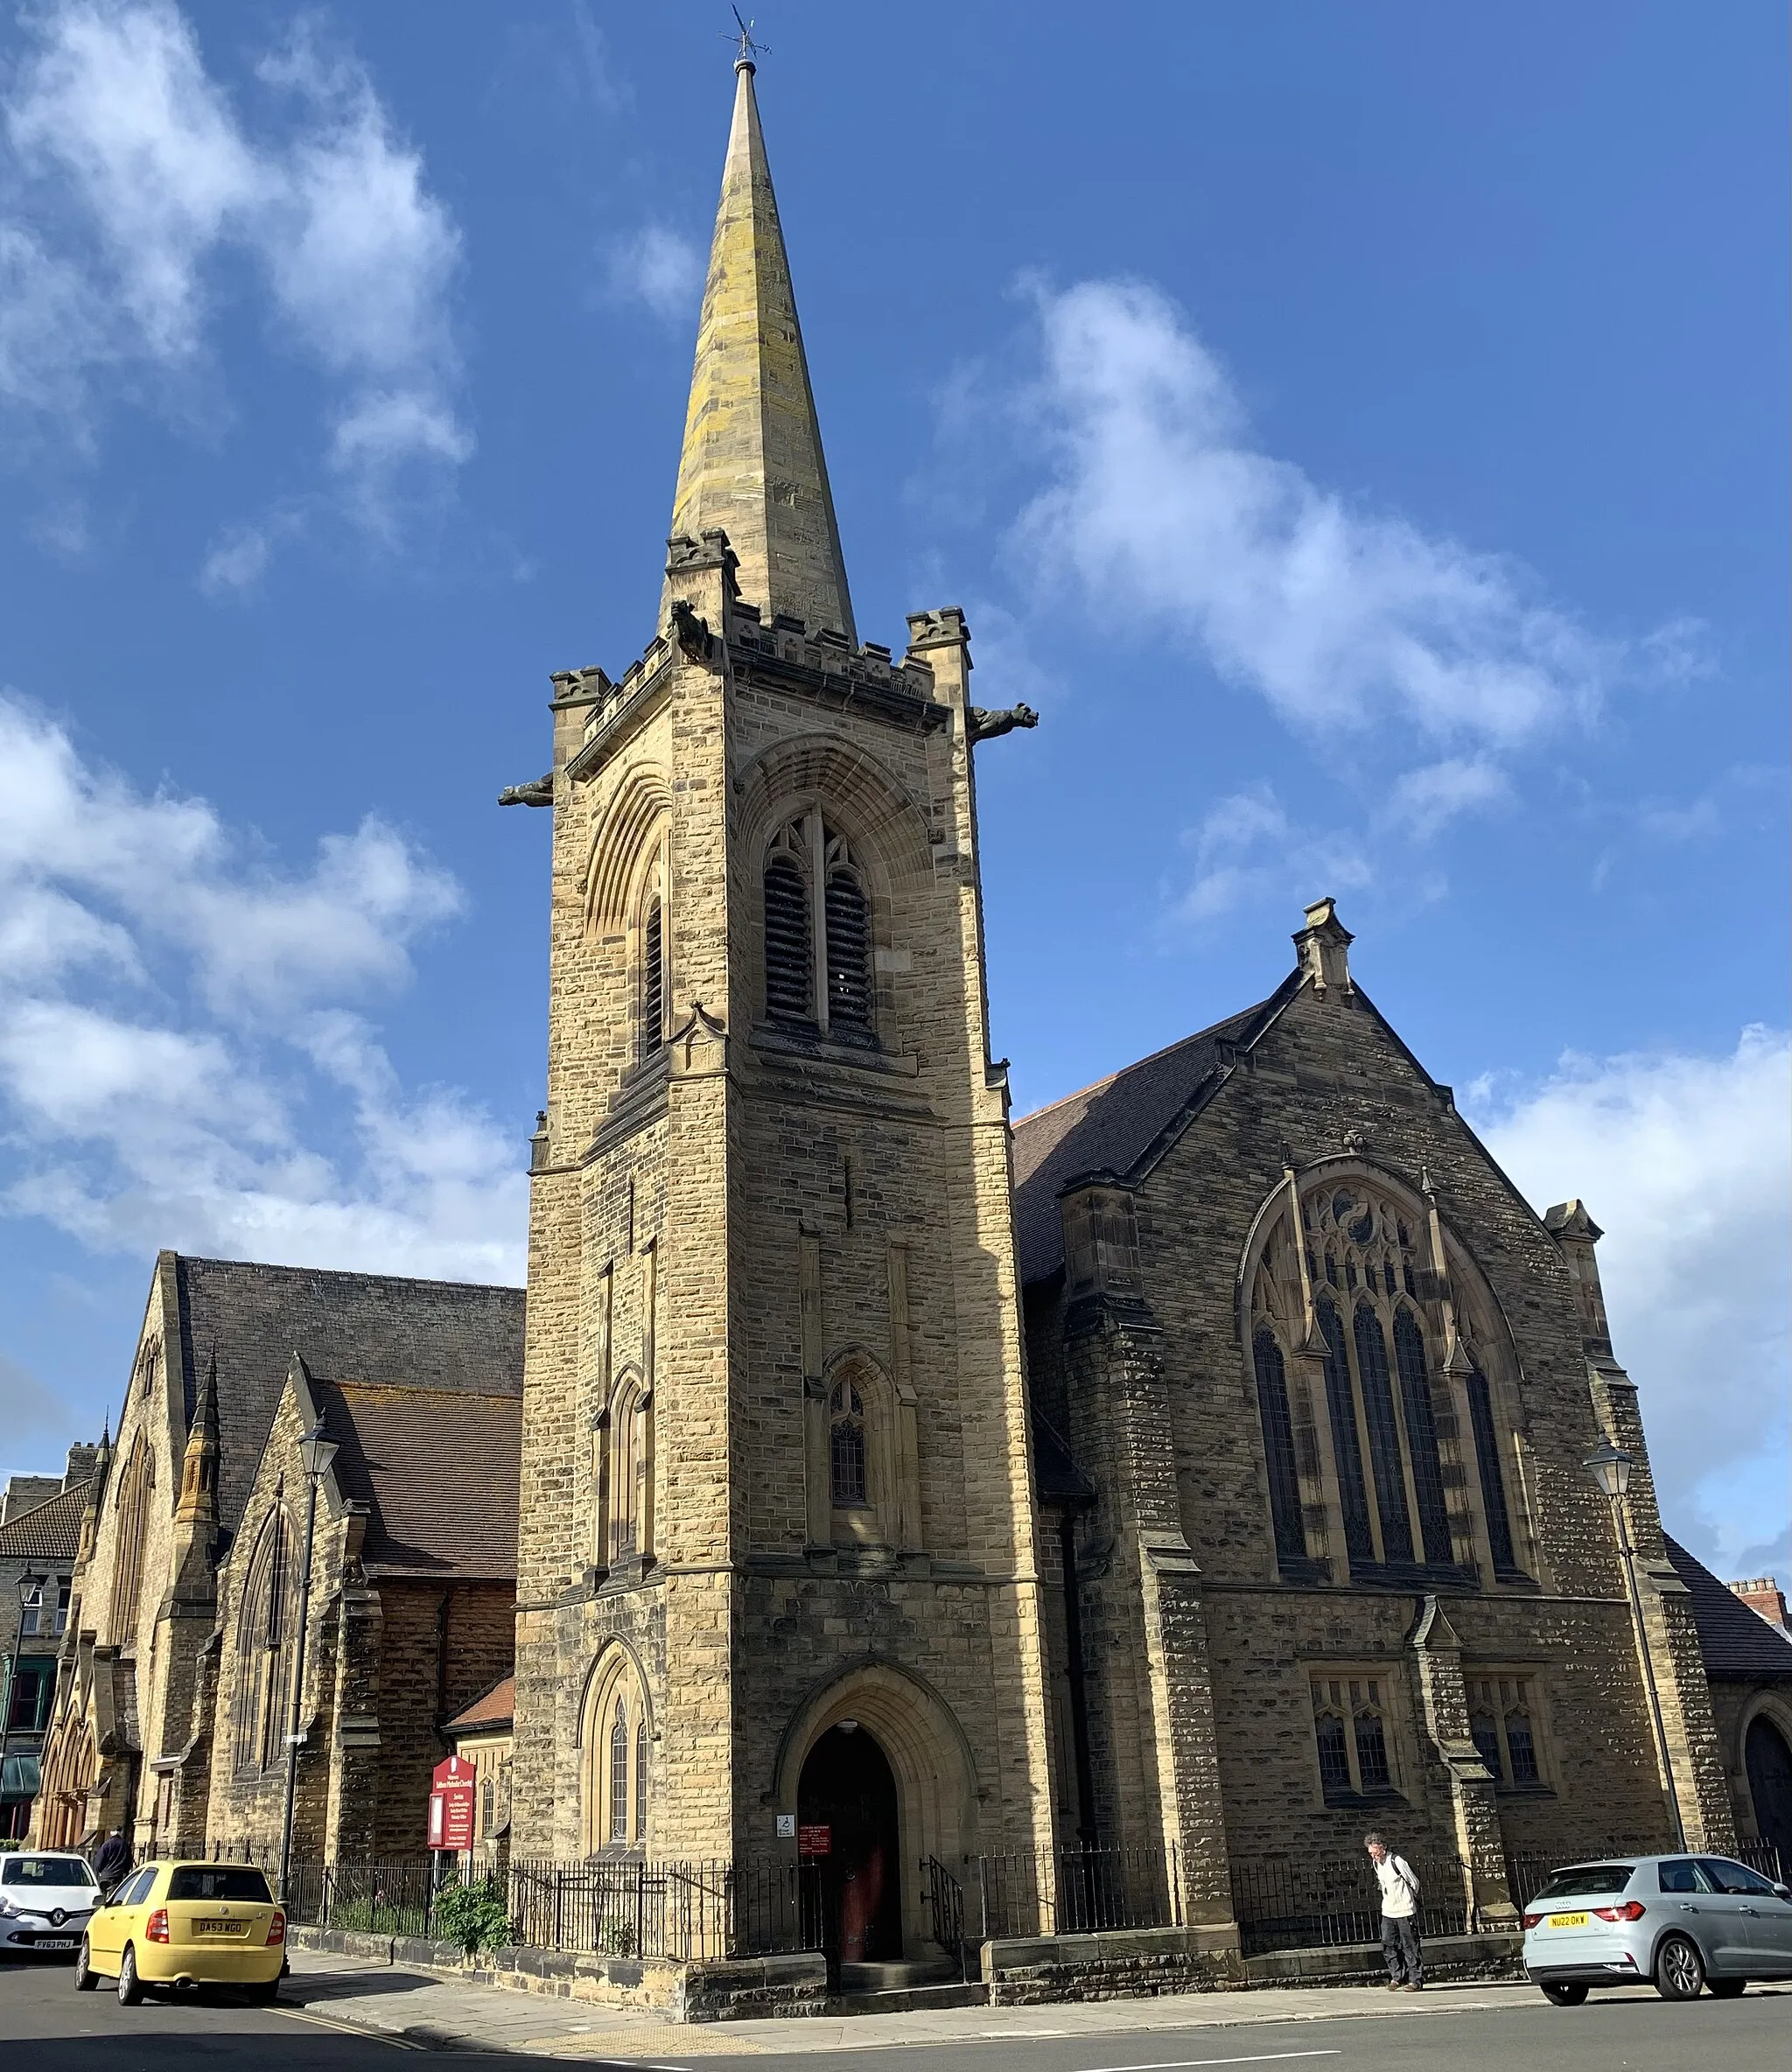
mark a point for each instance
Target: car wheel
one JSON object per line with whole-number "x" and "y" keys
{"x": 1566, "y": 1992}
{"x": 1726, "y": 1989}
{"x": 85, "y": 1977}
{"x": 130, "y": 1989}
{"x": 1679, "y": 1969}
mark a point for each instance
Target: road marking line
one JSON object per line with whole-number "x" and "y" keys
{"x": 1263, "y": 2057}
{"x": 347, "y": 2028}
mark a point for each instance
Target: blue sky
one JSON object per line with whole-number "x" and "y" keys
{"x": 1360, "y": 432}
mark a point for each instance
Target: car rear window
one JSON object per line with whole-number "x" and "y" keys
{"x": 217, "y": 1881}
{"x": 1583, "y": 1879}
{"x": 45, "y": 1871}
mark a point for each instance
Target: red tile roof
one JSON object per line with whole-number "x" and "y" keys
{"x": 496, "y": 1708}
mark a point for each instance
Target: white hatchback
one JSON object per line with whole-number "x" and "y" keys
{"x": 45, "y": 1902}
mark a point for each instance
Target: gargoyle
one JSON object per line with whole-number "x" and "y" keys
{"x": 541, "y": 792}
{"x": 984, "y": 726}
{"x": 691, "y": 633}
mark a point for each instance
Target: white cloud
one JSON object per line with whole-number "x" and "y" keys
{"x": 1160, "y": 505}
{"x": 1247, "y": 848}
{"x": 661, "y": 269}
{"x": 184, "y": 1059}
{"x": 137, "y": 180}
{"x": 1684, "y": 1159}
{"x": 1425, "y": 801}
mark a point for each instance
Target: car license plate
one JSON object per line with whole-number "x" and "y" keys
{"x": 55, "y": 1942}
{"x": 1567, "y": 1920}
{"x": 237, "y": 1927}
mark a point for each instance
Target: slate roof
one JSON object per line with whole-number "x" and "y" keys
{"x": 1738, "y": 1644}
{"x": 435, "y": 1335}
{"x": 496, "y": 1708}
{"x": 1111, "y": 1125}
{"x": 440, "y": 1469}
{"x": 51, "y": 1532}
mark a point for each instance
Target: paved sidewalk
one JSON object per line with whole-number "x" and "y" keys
{"x": 423, "y": 2010}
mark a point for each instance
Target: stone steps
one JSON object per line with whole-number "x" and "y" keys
{"x": 911, "y": 2000}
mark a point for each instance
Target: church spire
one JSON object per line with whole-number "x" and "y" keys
{"x": 752, "y": 461}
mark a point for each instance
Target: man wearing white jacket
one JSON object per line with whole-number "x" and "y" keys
{"x": 1399, "y": 1884}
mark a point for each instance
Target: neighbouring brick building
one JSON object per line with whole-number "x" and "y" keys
{"x": 1272, "y": 1523}
{"x": 40, "y": 1520}
{"x": 186, "y": 1582}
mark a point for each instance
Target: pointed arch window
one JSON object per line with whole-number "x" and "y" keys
{"x": 264, "y": 1650}
{"x": 135, "y": 1488}
{"x": 653, "y": 976}
{"x": 619, "y": 1744}
{"x": 628, "y": 1470}
{"x": 1384, "y": 1435}
{"x": 818, "y": 933}
{"x": 1279, "y": 1447}
{"x": 1493, "y": 1482}
{"x": 615, "y": 1741}
{"x": 1422, "y": 1436}
{"x": 1346, "y": 1449}
{"x": 848, "y": 1485}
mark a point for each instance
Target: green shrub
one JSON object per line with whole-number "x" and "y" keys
{"x": 475, "y": 1917}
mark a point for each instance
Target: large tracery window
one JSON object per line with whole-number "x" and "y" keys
{"x": 1389, "y": 1421}
{"x": 818, "y": 935}
{"x": 264, "y": 1650}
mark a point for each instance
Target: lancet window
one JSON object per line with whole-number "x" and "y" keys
{"x": 848, "y": 1481}
{"x": 264, "y": 1650}
{"x": 135, "y": 1488}
{"x": 653, "y": 989}
{"x": 628, "y": 1471}
{"x": 817, "y": 933}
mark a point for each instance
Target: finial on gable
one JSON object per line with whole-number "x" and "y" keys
{"x": 1324, "y": 945}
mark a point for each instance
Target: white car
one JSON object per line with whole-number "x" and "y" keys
{"x": 45, "y": 1902}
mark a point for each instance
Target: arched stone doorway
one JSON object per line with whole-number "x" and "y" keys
{"x": 1769, "y": 1764}
{"x": 847, "y": 1816}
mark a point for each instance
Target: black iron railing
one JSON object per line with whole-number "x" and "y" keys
{"x": 1312, "y": 1903}
{"x": 1528, "y": 1870}
{"x": 946, "y": 1911}
{"x": 1070, "y": 1891}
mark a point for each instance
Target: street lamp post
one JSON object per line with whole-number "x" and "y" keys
{"x": 1610, "y": 1469}
{"x": 29, "y": 1586}
{"x": 315, "y": 1453}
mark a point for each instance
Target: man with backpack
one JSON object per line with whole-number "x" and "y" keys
{"x": 1399, "y": 1884}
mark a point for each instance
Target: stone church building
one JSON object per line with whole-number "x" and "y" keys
{"x": 1190, "y": 1473}
{"x": 1194, "y": 1470}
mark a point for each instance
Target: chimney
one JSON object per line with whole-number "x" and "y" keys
{"x": 1764, "y": 1596}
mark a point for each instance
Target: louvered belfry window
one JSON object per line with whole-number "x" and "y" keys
{"x": 818, "y": 933}
{"x": 653, "y": 976}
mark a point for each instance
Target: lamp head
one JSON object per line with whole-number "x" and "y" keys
{"x": 1610, "y": 1468}
{"x": 316, "y": 1452}
{"x": 28, "y": 1588}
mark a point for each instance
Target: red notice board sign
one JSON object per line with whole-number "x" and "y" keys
{"x": 815, "y": 1840}
{"x": 451, "y": 1805}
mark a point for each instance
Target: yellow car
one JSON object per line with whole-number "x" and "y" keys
{"x": 184, "y": 1924}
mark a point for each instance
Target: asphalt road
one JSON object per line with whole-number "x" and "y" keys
{"x": 54, "y": 2029}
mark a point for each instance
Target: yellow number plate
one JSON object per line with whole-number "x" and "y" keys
{"x": 237, "y": 1927}
{"x": 1567, "y": 1920}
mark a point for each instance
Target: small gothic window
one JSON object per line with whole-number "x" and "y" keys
{"x": 1500, "y": 1722}
{"x": 1520, "y": 1747}
{"x": 1335, "y": 1754}
{"x": 1484, "y": 1731}
{"x": 619, "y": 1776}
{"x": 789, "y": 968}
{"x": 1371, "y": 1751}
{"x": 640, "y": 1778}
{"x": 1278, "y": 1448}
{"x": 849, "y": 956}
{"x": 846, "y": 1449}
{"x": 653, "y": 976}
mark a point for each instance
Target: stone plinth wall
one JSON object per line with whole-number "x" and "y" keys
{"x": 1129, "y": 1963}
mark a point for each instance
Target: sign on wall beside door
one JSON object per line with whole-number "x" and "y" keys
{"x": 814, "y": 1840}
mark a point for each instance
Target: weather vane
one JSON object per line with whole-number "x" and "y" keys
{"x": 749, "y": 49}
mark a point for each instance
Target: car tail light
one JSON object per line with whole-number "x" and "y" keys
{"x": 1532, "y": 1920}
{"x": 156, "y": 1928}
{"x": 277, "y": 1928}
{"x": 1631, "y": 1910}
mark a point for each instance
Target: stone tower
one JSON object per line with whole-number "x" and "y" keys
{"x": 777, "y": 1558}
